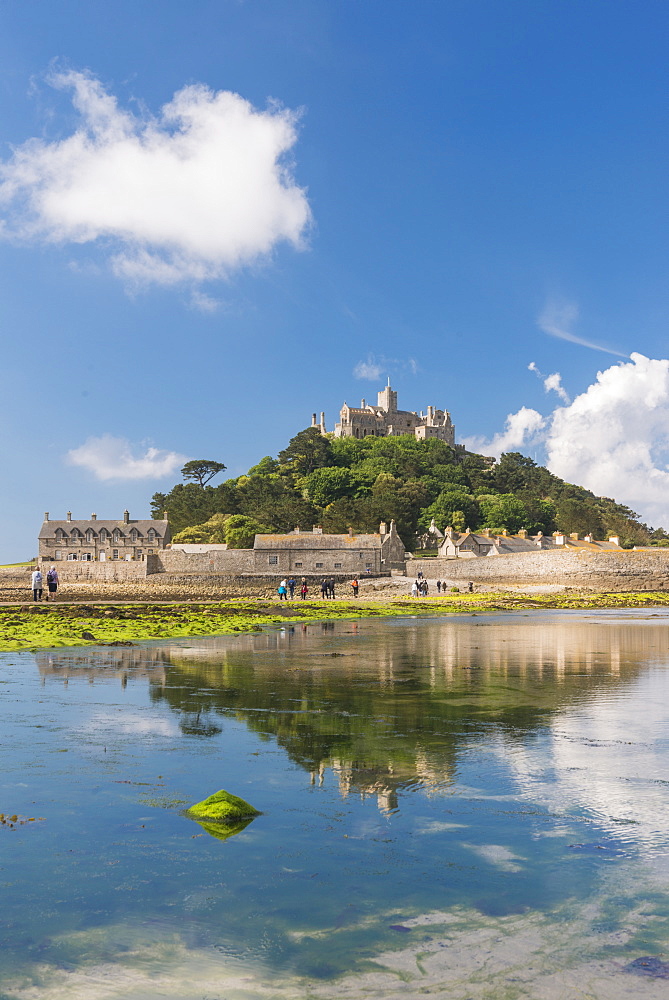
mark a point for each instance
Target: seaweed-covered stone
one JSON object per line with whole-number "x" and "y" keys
{"x": 222, "y": 807}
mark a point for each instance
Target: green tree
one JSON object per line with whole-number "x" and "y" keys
{"x": 240, "y": 531}
{"x": 212, "y": 531}
{"x": 449, "y": 501}
{"x": 503, "y": 511}
{"x": 324, "y": 486}
{"x": 307, "y": 451}
{"x": 201, "y": 471}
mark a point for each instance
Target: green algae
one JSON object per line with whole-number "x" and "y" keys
{"x": 52, "y": 626}
{"x": 223, "y": 807}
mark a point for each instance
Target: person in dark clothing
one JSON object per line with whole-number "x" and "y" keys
{"x": 325, "y": 587}
{"x": 332, "y": 588}
{"x": 291, "y": 587}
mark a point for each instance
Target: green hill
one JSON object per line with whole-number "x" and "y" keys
{"x": 350, "y": 482}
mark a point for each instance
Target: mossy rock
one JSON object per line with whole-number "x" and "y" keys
{"x": 222, "y": 807}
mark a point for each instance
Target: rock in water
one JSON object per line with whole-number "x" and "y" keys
{"x": 222, "y": 806}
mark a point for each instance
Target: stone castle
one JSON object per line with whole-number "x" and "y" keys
{"x": 385, "y": 420}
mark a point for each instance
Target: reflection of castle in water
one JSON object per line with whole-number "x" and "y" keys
{"x": 382, "y": 706}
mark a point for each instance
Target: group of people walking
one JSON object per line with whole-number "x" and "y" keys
{"x": 328, "y": 586}
{"x": 37, "y": 584}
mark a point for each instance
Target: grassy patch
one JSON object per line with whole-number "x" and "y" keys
{"x": 49, "y": 626}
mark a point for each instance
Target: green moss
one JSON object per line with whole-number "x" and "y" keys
{"x": 223, "y": 807}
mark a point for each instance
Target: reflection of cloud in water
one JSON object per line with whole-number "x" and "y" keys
{"x": 496, "y": 854}
{"x": 460, "y": 954}
{"x": 607, "y": 758}
{"x": 129, "y": 722}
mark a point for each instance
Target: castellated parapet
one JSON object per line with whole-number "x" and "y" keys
{"x": 385, "y": 420}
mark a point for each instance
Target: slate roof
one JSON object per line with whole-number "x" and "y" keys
{"x": 49, "y": 528}
{"x": 311, "y": 540}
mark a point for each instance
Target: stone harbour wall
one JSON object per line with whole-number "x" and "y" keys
{"x": 622, "y": 570}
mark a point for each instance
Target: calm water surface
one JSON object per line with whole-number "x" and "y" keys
{"x": 473, "y": 807}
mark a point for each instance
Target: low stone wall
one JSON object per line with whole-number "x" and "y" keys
{"x": 112, "y": 571}
{"x": 621, "y": 570}
{"x": 227, "y": 561}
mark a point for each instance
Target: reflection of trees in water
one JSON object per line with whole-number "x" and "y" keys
{"x": 384, "y": 704}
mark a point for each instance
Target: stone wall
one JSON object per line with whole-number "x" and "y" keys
{"x": 229, "y": 561}
{"x": 114, "y": 571}
{"x": 604, "y": 571}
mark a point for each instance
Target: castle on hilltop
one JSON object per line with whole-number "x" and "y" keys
{"x": 385, "y": 420}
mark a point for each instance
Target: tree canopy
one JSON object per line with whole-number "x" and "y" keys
{"x": 350, "y": 482}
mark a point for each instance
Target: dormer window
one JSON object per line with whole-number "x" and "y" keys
{"x": 103, "y": 534}
{"x": 89, "y": 534}
{"x": 117, "y": 535}
{"x": 60, "y": 534}
{"x": 133, "y": 535}
{"x": 151, "y": 535}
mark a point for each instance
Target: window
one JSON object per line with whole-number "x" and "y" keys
{"x": 86, "y": 556}
{"x": 71, "y": 556}
{"x": 368, "y": 565}
{"x": 103, "y": 534}
{"x": 138, "y": 553}
{"x": 58, "y": 555}
{"x": 273, "y": 560}
{"x": 151, "y": 535}
{"x": 319, "y": 565}
{"x": 114, "y": 553}
{"x": 89, "y": 535}
{"x": 150, "y": 552}
{"x": 133, "y": 535}
{"x": 117, "y": 535}
{"x": 298, "y": 565}
{"x": 337, "y": 565}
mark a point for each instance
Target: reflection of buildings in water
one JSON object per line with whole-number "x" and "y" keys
{"x": 478, "y": 666}
{"x": 102, "y": 663}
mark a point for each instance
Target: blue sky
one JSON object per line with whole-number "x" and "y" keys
{"x": 442, "y": 192}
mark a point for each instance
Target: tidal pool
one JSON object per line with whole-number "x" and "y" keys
{"x": 471, "y": 807}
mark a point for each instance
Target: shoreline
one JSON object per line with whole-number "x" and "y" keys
{"x": 27, "y": 626}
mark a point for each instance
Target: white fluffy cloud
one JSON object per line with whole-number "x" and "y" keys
{"x": 552, "y": 383}
{"x": 190, "y": 195}
{"x": 109, "y": 457}
{"x": 614, "y": 438}
{"x": 519, "y": 431}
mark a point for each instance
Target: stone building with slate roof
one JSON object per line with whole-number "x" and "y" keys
{"x": 472, "y": 545}
{"x": 385, "y": 420}
{"x": 308, "y": 553}
{"x": 101, "y": 541}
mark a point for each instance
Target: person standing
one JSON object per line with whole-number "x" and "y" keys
{"x": 438, "y": 586}
{"x": 414, "y": 588}
{"x": 304, "y": 590}
{"x": 282, "y": 591}
{"x": 52, "y": 583}
{"x": 36, "y": 584}
{"x": 354, "y": 586}
{"x": 332, "y": 587}
{"x": 291, "y": 587}
{"x": 324, "y": 589}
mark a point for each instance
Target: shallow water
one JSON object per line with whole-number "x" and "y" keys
{"x": 463, "y": 807}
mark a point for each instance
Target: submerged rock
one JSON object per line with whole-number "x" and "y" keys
{"x": 222, "y": 807}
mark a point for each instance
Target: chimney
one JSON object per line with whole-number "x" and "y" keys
{"x": 588, "y": 538}
{"x": 505, "y": 532}
{"x": 383, "y": 527}
{"x": 350, "y": 532}
{"x": 69, "y": 515}
{"x": 165, "y": 516}
{"x": 317, "y": 529}
{"x": 46, "y": 515}
{"x": 126, "y": 516}
{"x": 94, "y": 517}
{"x": 612, "y": 538}
{"x": 559, "y": 538}
{"x": 363, "y": 404}
{"x": 313, "y": 420}
{"x": 574, "y": 536}
{"x": 522, "y": 533}
{"x": 296, "y": 529}
{"x": 485, "y": 532}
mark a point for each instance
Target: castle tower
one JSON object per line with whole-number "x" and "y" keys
{"x": 387, "y": 399}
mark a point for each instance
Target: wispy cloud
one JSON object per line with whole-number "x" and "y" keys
{"x": 374, "y": 368}
{"x": 109, "y": 457}
{"x": 191, "y": 195}
{"x": 552, "y": 383}
{"x": 556, "y": 320}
